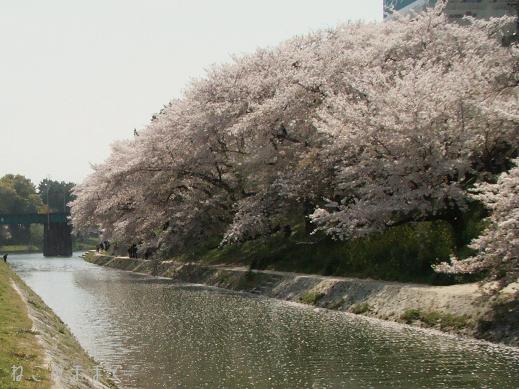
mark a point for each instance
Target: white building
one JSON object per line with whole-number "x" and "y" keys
{"x": 404, "y": 6}
{"x": 456, "y": 9}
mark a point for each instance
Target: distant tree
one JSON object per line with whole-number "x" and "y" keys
{"x": 18, "y": 195}
{"x": 56, "y": 194}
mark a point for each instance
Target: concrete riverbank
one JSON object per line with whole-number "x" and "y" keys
{"x": 467, "y": 309}
{"x": 41, "y": 344}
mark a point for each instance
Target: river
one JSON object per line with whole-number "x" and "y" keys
{"x": 160, "y": 334}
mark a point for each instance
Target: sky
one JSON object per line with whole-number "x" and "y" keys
{"x": 77, "y": 75}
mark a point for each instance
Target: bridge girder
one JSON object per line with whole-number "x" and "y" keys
{"x": 57, "y": 232}
{"x": 34, "y": 218}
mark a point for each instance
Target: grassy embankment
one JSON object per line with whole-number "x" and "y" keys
{"x": 404, "y": 253}
{"x": 19, "y": 345}
{"x": 44, "y": 348}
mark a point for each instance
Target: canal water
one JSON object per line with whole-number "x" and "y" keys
{"x": 160, "y": 334}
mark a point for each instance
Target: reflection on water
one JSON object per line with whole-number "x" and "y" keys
{"x": 165, "y": 335}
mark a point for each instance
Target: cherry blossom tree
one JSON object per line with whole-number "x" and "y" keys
{"x": 498, "y": 247}
{"x": 392, "y": 122}
{"x": 420, "y": 116}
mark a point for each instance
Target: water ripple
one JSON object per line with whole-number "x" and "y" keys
{"x": 165, "y": 335}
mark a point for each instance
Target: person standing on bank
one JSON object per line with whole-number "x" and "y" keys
{"x": 5, "y": 257}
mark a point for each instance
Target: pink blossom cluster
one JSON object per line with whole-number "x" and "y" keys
{"x": 355, "y": 128}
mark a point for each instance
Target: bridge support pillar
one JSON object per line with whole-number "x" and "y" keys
{"x": 57, "y": 240}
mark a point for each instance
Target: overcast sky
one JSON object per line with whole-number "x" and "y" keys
{"x": 77, "y": 75}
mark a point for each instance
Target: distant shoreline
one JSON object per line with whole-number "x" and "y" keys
{"x": 20, "y": 249}
{"x": 28, "y": 249}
